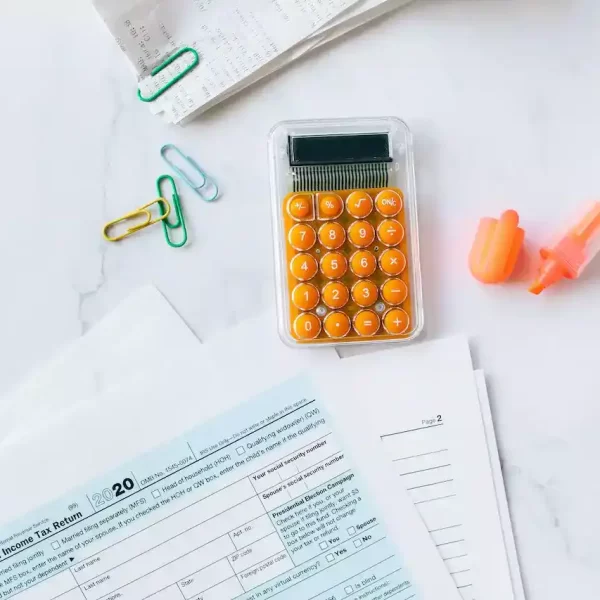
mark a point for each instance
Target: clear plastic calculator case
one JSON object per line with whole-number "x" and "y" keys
{"x": 345, "y": 231}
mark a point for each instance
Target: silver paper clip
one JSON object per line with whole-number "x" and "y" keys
{"x": 192, "y": 174}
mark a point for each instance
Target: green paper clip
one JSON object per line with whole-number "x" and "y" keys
{"x": 179, "y": 222}
{"x": 194, "y": 176}
{"x": 175, "y": 79}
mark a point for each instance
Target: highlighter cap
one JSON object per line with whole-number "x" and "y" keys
{"x": 496, "y": 248}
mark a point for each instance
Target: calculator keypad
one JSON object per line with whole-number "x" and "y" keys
{"x": 347, "y": 266}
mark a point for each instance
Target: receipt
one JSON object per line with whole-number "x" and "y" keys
{"x": 235, "y": 39}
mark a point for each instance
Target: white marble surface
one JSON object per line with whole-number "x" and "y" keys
{"x": 503, "y": 97}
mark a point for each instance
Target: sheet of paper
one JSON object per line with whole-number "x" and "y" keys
{"x": 509, "y": 538}
{"x": 234, "y": 38}
{"x": 124, "y": 343}
{"x": 285, "y": 495}
{"x": 430, "y": 422}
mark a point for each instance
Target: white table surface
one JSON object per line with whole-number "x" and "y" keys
{"x": 503, "y": 98}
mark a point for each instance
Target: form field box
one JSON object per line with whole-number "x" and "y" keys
{"x": 50, "y": 588}
{"x": 186, "y": 529}
{"x": 268, "y": 569}
{"x": 256, "y": 552}
{"x": 250, "y": 532}
{"x": 142, "y": 576}
{"x": 206, "y": 579}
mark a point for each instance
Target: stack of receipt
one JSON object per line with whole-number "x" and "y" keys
{"x": 238, "y": 41}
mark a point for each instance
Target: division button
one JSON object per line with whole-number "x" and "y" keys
{"x": 390, "y": 232}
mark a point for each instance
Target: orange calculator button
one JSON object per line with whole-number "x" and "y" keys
{"x": 359, "y": 204}
{"x": 331, "y": 206}
{"x": 304, "y": 267}
{"x": 388, "y": 203}
{"x": 394, "y": 291}
{"x": 307, "y": 326}
{"x": 390, "y": 232}
{"x": 332, "y": 235}
{"x": 363, "y": 263}
{"x": 361, "y": 234}
{"x": 366, "y": 323}
{"x": 392, "y": 262}
{"x": 334, "y": 265}
{"x": 396, "y": 321}
{"x": 300, "y": 207}
{"x": 364, "y": 293}
{"x": 335, "y": 295}
{"x": 302, "y": 237}
{"x": 305, "y": 296}
{"x": 337, "y": 324}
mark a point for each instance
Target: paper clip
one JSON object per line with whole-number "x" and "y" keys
{"x": 177, "y": 78}
{"x": 197, "y": 179}
{"x": 144, "y": 212}
{"x": 180, "y": 221}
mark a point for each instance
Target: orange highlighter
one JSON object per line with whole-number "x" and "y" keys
{"x": 570, "y": 255}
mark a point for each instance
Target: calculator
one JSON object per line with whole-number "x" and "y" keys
{"x": 346, "y": 233}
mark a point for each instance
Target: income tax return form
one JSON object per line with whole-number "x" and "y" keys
{"x": 225, "y": 474}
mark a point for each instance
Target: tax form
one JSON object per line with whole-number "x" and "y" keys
{"x": 283, "y": 495}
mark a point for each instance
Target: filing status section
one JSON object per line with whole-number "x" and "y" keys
{"x": 245, "y": 508}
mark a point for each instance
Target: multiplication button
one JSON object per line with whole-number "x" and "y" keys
{"x": 392, "y": 262}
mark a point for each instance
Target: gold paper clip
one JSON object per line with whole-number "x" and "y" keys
{"x": 142, "y": 212}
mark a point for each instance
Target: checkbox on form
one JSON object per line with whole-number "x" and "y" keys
{"x": 241, "y": 450}
{"x": 55, "y": 545}
{"x": 156, "y": 494}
